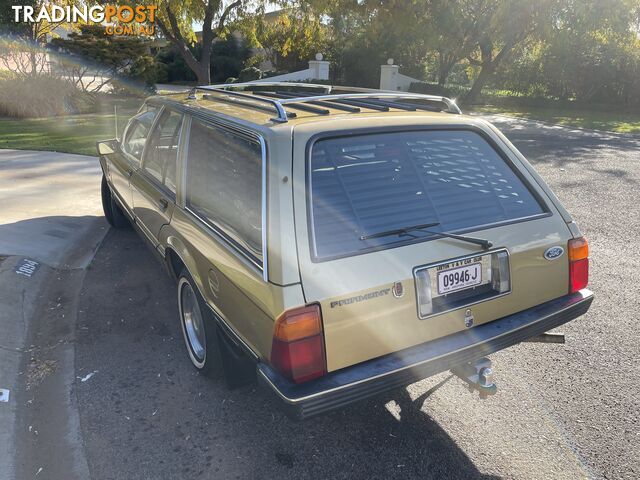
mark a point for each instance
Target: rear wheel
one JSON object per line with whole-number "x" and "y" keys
{"x": 198, "y": 328}
{"x": 112, "y": 211}
{"x": 210, "y": 350}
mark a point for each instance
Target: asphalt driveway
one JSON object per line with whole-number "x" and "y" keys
{"x": 561, "y": 412}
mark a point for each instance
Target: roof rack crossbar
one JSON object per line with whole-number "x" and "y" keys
{"x": 334, "y": 105}
{"x": 304, "y": 107}
{"x": 342, "y": 103}
{"x": 363, "y": 104}
{"x": 398, "y": 105}
{"x": 354, "y": 97}
{"x": 411, "y": 107}
{"x": 451, "y": 105}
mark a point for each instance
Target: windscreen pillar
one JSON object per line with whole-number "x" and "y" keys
{"x": 319, "y": 68}
{"x": 389, "y": 76}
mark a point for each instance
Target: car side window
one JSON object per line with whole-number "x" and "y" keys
{"x": 224, "y": 184}
{"x": 162, "y": 151}
{"x": 137, "y": 132}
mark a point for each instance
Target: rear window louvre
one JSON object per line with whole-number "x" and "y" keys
{"x": 364, "y": 184}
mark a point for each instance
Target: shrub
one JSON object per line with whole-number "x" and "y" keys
{"x": 248, "y": 74}
{"x": 40, "y": 96}
{"x": 451, "y": 91}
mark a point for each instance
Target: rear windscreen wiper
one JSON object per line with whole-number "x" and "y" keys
{"x": 486, "y": 244}
{"x": 398, "y": 231}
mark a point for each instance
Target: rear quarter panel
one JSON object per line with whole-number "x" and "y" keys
{"x": 230, "y": 285}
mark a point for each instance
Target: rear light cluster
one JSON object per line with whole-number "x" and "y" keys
{"x": 298, "y": 344}
{"x": 578, "y": 264}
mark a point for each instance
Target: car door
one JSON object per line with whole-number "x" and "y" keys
{"x": 126, "y": 160}
{"x": 153, "y": 185}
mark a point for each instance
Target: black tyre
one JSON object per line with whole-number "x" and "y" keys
{"x": 112, "y": 211}
{"x": 199, "y": 329}
{"x": 209, "y": 349}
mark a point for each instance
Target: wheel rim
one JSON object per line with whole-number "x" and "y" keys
{"x": 192, "y": 322}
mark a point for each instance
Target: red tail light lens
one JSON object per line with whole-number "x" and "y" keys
{"x": 297, "y": 350}
{"x": 578, "y": 264}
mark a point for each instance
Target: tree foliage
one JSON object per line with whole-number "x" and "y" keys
{"x": 176, "y": 17}
{"x": 578, "y": 49}
{"x": 93, "y": 59}
{"x": 228, "y": 58}
{"x": 289, "y": 39}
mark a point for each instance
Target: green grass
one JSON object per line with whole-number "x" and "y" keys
{"x": 70, "y": 133}
{"x": 572, "y": 117}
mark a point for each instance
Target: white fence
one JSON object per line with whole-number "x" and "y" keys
{"x": 318, "y": 70}
{"x": 392, "y": 79}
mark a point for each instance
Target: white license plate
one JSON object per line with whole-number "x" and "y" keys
{"x": 459, "y": 278}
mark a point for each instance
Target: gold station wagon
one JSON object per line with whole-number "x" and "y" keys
{"x": 337, "y": 242}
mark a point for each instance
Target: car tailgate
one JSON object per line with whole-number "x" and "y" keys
{"x": 369, "y": 303}
{"x": 368, "y": 298}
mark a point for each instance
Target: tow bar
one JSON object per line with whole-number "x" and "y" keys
{"x": 478, "y": 376}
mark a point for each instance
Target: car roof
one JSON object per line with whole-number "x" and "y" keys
{"x": 284, "y": 105}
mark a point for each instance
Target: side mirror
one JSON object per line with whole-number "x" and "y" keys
{"x": 107, "y": 147}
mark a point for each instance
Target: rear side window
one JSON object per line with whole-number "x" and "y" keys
{"x": 224, "y": 184}
{"x": 366, "y": 184}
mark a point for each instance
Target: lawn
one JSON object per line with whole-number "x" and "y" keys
{"x": 72, "y": 133}
{"x": 619, "y": 122}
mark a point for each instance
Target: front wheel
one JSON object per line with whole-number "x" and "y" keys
{"x": 112, "y": 211}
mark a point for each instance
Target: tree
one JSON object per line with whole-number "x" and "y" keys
{"x": 363, "y": 34}
{"x": 228, "y": 58}
{"x": 291, "y": 39}
{"x": 24, "y": 53}
{"x": 452, "y": 28}
{"x": 93, "y": 60}
{"x": 175, "y": 17}
{"x": 589, "y": 53}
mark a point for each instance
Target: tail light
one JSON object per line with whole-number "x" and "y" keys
{"x": 297, "y": 350}
{"x": 578, "y": 264}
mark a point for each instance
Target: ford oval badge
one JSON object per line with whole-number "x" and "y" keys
{"x": 553, "y": 252}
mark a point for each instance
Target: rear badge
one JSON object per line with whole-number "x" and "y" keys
{"x": 553, "y": 252}
{"x": 397, "y": 289}
{"x": 468, "y": 318}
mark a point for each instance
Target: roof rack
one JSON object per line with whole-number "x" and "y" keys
{"x": 350, "y": 99}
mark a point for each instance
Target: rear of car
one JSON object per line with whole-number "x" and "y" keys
{"x": 421, "y": 246}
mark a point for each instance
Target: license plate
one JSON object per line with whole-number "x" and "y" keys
{"x": 459, "y": 278}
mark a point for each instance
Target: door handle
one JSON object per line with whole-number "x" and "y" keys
{"x": 163, "y": 204}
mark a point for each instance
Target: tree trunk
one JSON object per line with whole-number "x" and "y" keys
{"x": 443, "y": 73}
{"x": 488, "y": 65}
{"x": 479, "y": 83}
{"x": 203, "y": 72}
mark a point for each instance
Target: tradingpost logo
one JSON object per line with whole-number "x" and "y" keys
{"x": 118, "y": 19}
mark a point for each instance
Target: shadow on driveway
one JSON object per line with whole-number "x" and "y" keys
{"x": 147, "y": 414}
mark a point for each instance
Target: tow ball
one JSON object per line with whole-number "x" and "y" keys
{"x": 478, "y": 376}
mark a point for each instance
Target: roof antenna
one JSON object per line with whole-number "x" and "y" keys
{"x": 115, "y": 119}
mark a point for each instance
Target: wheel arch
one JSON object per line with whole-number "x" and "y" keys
{"x": 178, "y": 257}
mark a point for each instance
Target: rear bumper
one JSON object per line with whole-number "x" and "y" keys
{"x": 373, "y": 377}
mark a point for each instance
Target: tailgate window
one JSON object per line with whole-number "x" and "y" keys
{"x": 365, "y": 184}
